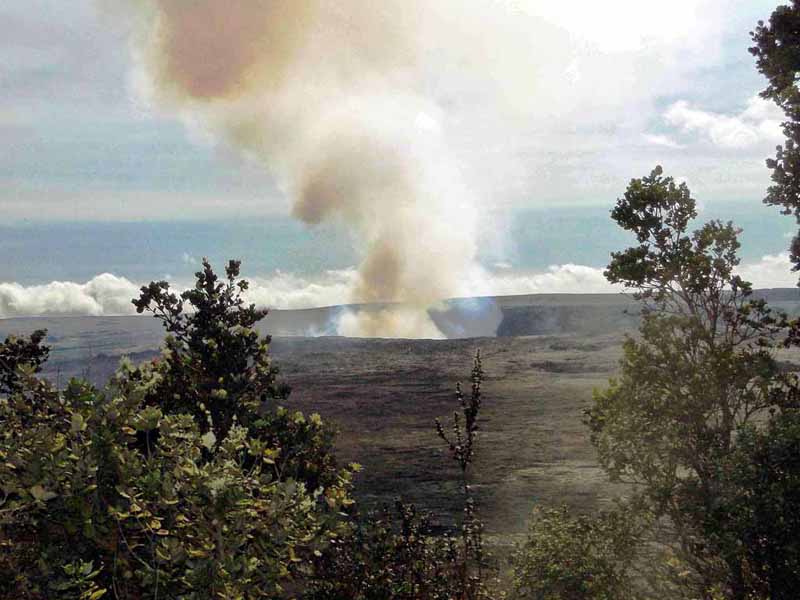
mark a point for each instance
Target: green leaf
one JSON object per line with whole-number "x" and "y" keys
{"x": 208, "y": 440}
{"x": 40, "y": 494}
{"x": 78, "y": 423}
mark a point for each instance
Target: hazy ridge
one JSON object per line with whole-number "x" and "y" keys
{"x": 97, "y": 343}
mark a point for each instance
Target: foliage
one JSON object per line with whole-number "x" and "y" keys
{"x": 216, "y": 367}
{"x": 586, "y": 557}
{"x": 670, "y": 269}
{"x": 28, "y": 353}
{"x": 777, "y": 51}
{"x": 759, "y": 516}
{"x": 213, "y": 358}
{"x": 701, "y": 371}
{"x": 113, "y": 492}
{"x": 395, "y": 554}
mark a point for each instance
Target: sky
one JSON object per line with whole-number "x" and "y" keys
{"x": 576, "y": 100}
{"x": 646, "y": 82}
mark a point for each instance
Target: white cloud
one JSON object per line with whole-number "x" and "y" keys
{"x": 662, "y": 140}
{"x": 287, "y": 291}
{"x": 632, "y": 25}
{"x": 557, "y": 279}
{"x": 772, "y": 271}
{"x": 759, "y": 122}
{"x": 107, "y": 294}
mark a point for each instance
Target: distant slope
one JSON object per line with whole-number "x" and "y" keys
{"x": 77, "y": 339}
{"x": 595, "y": 314}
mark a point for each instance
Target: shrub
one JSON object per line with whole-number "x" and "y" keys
{"x": 568, "y": 557}
{"x": 27, "y": 353}
{"x": 182, "y": 478}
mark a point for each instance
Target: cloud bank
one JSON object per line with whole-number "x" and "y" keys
{"x": 107, "y": 294}
{"x": 759, "y": 122}
{"x": 103, "y": 295}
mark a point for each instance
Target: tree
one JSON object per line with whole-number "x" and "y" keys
{"x": 213, "y": 360}
{"x": 216, "y": 367}
{"x": 568, "y": 557}
{"x": 159, "y": 485}
{"x": 777, "y": 51}
{"x": 760, "y": 513}
{"x": 701, "y": 370}
{"x": 27, "y": 353}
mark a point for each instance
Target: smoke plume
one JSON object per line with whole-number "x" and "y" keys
{"x": 342, "y": 102}
{"x": 367, "y": 111}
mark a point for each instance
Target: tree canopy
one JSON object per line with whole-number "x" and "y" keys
{"x": 698, "y": 381}
{"x": 777, "y": 51}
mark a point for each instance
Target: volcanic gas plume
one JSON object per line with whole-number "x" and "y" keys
{"x": 338, "y": 101}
